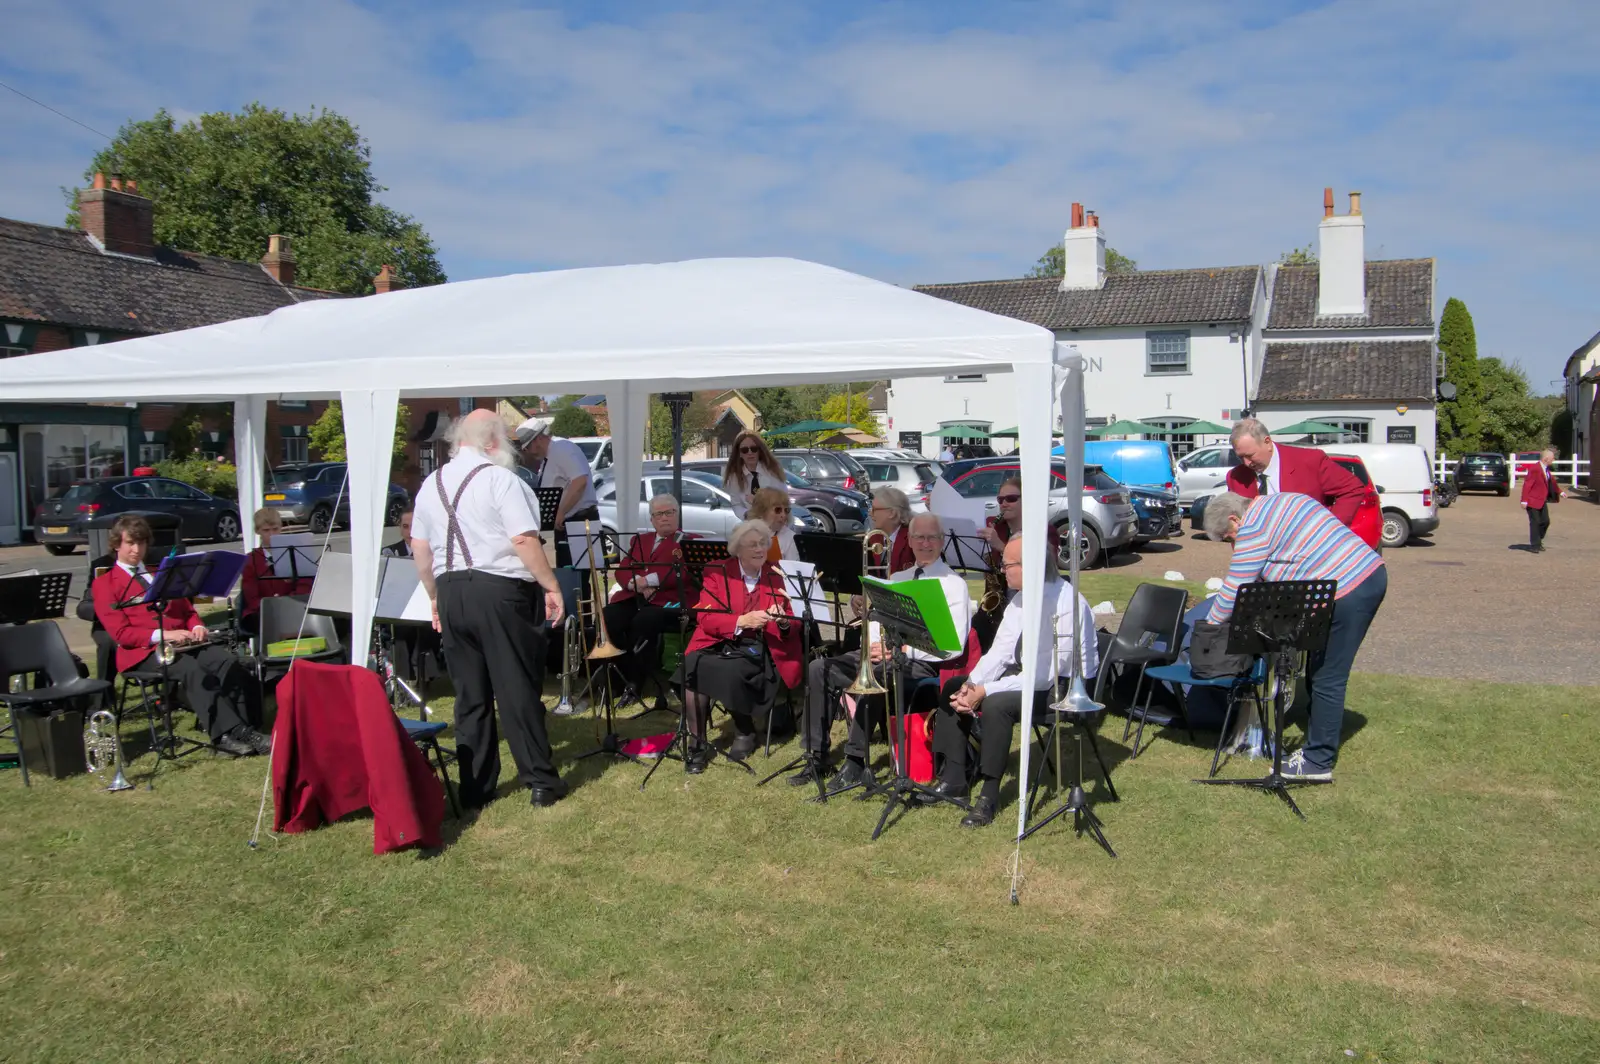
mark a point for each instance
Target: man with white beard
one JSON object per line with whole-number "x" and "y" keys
{"x": 475, "y": 536}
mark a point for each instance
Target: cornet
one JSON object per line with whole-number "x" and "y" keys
{"x": 102, "y": 749}
{"x": 875, "y": 542}
{"x": 569, "y": 663}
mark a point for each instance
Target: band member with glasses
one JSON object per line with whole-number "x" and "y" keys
{"x": 649, "y": 598}
{"x": 751, "y": 467}
{"x": 746, "y": 643}
{"x": 891, "y": 514}
{"x": 772, "y": 506}
{"x": 833, "y": 675}
{"x": 993, "y": 690}
{"x": 258, "y": 581}
{"x": 997, "y": 533}
{"x": 211, "y": 681}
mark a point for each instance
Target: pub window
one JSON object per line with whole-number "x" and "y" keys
{"x": 1167, "y": 352}
{"x": 151, "y": 453}
{"x": 296, "y": 450}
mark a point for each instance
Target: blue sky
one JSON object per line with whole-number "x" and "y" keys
{"x": 913, "y": 142}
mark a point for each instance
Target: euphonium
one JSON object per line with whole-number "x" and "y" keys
{"x": 102, "y": 749}
{"x": 875, "y": 542}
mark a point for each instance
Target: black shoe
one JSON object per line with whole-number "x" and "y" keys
{"x": 982, "y": 814}
{"x": 743, "y": 746}
{"x": 815, "y": 770}
{"x": 546, "y": 796}
{"x": 946, "y": 789}
{"x": 247, "y": 735}
{"x": 851, "y": 774}
{"x": 698, "y": 757}
{"x": 234, "y": 747}
{"x": 628, "y": 697}
{"x": 1541, "y": 548}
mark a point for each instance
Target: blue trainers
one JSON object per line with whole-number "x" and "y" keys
{"x": 1296, "y": 767}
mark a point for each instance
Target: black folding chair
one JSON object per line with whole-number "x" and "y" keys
{"x": 1148, "y": 635}
{"x": 39, "y": 650}
{"x": 284, "y": 617}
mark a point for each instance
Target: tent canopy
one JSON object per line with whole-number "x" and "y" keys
{"x": 850, "y": 438}
{"x": 1192, "y": 428}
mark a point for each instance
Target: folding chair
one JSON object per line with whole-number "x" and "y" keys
{"x": 1148, "y": 635}
{"x": 1179, "y": 676}
{"x": 284, "y": 617}
{"x": 38, "y": 650}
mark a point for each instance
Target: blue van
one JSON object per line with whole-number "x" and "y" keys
{"x": 1135, "y": 463}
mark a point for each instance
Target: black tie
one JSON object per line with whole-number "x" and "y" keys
{"x": 1261, "y": 484}
{"x": 755, "y": 483}
{"x": 918, "y": 574}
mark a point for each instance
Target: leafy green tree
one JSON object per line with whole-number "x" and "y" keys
{"x": 222, "y": 183}
{"x": 326, "y": 434}
{"x": 787, "y": 405}
{"x": 1298, "y": 257}
{"x": 1053, "y": 263}
{"x": 217, "y": 478}
{"x": 1461, "y": 426}
{"x": 857, "y": 414}
{"x": 696, "y": 423}
{"x": 1511, "y": 419}
{"x": 572, "y": 421}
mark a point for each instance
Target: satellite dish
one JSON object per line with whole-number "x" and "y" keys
{"x": 1447, "y": 390}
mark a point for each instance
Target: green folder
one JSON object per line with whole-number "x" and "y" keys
{"x": 297, "y": 648}
{"x": 930, "y": 600}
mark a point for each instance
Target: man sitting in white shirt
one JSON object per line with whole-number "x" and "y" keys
{"x": 927, "y": 542}
{"x": 994, "y": 688}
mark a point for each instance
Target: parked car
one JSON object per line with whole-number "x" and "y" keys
{"x": 1368, "y": 522}
{"x": 835, "y": 509}
{"x": 1483, "y": 472}
{"x": 915, "y": 478}
{"x": 1158, "y": 513}
{"x": 58, "y": 523}
{"x": 703, "y": 507}
{"x": 828, "y": 469}
{"x": 1135, "y": 463}
{"x": 1404, "y": 478}
{"x": 900, "y": 454}
{"x": 597, "y": 449}
{"x": 1204, "y": 471}
{"x": 1109, "y": 520}
{"x": 306, "y": 494}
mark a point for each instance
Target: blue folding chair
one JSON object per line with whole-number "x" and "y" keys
{"x": 1179, "y": 676}
{"x": 425, "y": 733}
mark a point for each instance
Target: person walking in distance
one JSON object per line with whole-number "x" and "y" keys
{"x": 1539, "y": 490}
{"x": 475, "y": 536}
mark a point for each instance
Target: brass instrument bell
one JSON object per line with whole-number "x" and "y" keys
{"x": 875, "y": 542}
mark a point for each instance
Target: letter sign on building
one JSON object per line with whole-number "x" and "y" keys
{"x": 1402, "y": 434}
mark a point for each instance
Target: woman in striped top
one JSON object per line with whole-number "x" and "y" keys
{"x": 1294, "y": 537}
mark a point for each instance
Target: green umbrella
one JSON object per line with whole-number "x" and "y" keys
{"x": 1123, "y": 428}
{"x": 971, "y": 432}
{"x": 807, "y": 426}
{"x": 1307, "y": 428}
{"x": 1193, "y": 428}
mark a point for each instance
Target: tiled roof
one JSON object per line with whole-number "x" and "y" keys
{"x": 48, "y": 274}
{"x": 1335, "y": 371}
{"x": 1143, "y": 297}
{"x": 1399, "y": 295}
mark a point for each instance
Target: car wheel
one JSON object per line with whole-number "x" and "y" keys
{"x": 1396, "y": 528}
{"x": 1089, "y": 552}
{"x": 392, "y": 517}
{"x": 321, "y": 520}
{"x": 829, "y": 525}
{"x": 60, "y": 550}
{"x": 227, "y": 529}
{"x": 1503, "y": 492}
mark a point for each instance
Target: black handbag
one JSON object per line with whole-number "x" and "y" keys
{"x": 1208, "y": 653}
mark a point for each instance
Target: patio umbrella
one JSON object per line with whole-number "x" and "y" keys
{"x": 806, "y": 426}
{"x": 1123, "y": 428}
{"x": 1306, "y": 428}
{"x": 1193, "y": 428}
{"x": 971, "y": 432}
{"x": 850, "y": 438}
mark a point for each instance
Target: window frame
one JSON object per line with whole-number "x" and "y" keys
{"x": 1154, "y": 337}
{"x": 296, "y": 450}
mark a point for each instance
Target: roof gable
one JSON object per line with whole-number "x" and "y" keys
{"x": 55, "y": 275}
{"x": 1142, "y": 297}
{"x": 1339, "y": 371}
{"x": 1399, "y": 295}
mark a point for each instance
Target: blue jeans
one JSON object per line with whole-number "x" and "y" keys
{"x": 1328, "y": 671}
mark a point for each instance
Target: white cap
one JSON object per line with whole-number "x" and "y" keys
{"x": 532, "y": 429}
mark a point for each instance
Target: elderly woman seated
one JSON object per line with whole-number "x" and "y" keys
{"x": 771, "y": 506}
{"x": 745, "y": 643}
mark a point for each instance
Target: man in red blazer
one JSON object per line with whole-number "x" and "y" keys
{"x": 1268, "y": 468}
{"x": 1539, "y": 490}
{"x": 647, "y": 601}
{"x": 212, "y": 682}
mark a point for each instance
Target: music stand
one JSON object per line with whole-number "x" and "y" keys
{"x": 33, "y": 597}
{"x": 805, "y": 584}
{"x": 549, "y": 502}
{"x": 912, "y": 613}
{"x": 593, "y": 559}
{"x": 1283, "y": 619}
{"x": 838, "y": 561}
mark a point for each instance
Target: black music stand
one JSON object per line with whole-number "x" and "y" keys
{"x": 1283, "y": 619}
{"x": 696, "y": 555}
{"x": 610, "y": 741}
{"x": 903, "y": 625}
{"x": 549, "y": 503}
{"x": 807, "y": 584}
{"x": 33, "y": 597}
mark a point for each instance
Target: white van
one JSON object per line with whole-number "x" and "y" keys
{"x": 597, "y": 449}
{"x": 1404, "y": 479}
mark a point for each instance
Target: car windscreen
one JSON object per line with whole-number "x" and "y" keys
{"x": 1356, "y": 467}
{"x": 79, "y": 492}
{"x": 590, "y": 448}
{"x": 1487, "y": 461}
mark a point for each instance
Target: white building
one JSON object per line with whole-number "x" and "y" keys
{"x": 1583, "y": 377}
{"x": 1170, "y": 347}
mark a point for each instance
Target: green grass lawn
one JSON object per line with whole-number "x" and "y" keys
{"x": 1440, "y": 904}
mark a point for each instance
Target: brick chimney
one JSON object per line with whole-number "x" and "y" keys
{"x": 386, "y": 281}
{"x": 1083, "y": 252}
{"x": 1342, "y": 259}
{"x": 279, "y": 259}
{"x": 118, "y": 217}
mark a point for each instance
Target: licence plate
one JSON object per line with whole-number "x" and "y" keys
{"x": 55, "y": 530}
{"x": 274, "y": 498}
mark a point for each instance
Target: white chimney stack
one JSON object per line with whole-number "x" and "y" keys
{"x": 1342, "y": 259}
{"x": 1083, "y": 252}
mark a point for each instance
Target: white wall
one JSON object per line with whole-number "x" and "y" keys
{"x": 1116, "y": 383}
{"x": 1418, "y": 415}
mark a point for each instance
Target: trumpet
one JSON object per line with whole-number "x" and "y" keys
{"x": 875, "y": 542}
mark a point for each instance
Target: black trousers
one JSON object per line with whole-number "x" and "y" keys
{"x": 1538, "y": 526}
{"x": 214, "y": 684}
{"x": 411, "y": 650}
{"x": 637, "y": 628}
{"x": 494, "y": 649}
{"x": 828, "y": 677}
{"x": 952, "y": 731}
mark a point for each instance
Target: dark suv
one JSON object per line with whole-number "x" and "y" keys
{"x": 826, "y": 469}
{"x": 306, "y": 495}
{"x": 58, "y": 523}
{"x": 1483, "y": 472}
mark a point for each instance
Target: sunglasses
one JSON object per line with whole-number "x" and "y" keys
{"x": 782, "y": 509}
{"x": 1008, "y": 498}
{"x": 749, "y": 450}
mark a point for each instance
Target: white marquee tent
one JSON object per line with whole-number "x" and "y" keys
{"x": 625, "y": 331}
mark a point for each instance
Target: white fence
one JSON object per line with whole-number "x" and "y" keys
{"x": 1567, "y": 470}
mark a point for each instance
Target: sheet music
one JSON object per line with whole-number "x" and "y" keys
{"x": 294, "y": 554}
{"x": 797, "y": 576}
{"x": 331, "y": 591}
{"x": 586, "y": 545}
{"x": 401, "y": 596}
{"x": 948, "y": 503}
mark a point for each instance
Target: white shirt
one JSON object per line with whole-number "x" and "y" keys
{"x": 1003, "y": 651}
{"x": 787, "y": 549}
{"x": 496, "y": 506}
{"x": 1271, "y": 473}
{"x": 738, "y": 487}
{"x": 563, "y": 464}
{"x": 956, "y": 595}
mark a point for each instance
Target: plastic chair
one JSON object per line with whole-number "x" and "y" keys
{"x": 285, "y": 617}
{"x": 1149, "y": 635}
{"x": 1179, "y": 676}
{"x": 37, "y": 650}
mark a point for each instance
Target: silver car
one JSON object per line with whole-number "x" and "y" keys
{"x": 914, "y": 478}
{"x": 704, "y": 508}
{"x": 1109, "y": 520}
{"x": 1204, "y": 472}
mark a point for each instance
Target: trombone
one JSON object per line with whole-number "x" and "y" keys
{"x": 874, "y": 543}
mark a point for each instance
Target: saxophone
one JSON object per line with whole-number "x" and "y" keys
{"x": 994, "y": 581}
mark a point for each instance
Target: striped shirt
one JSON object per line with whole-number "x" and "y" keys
{"x": 1293, "y": 537}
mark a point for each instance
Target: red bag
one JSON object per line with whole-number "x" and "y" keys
{"x": 919, "y": 751}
